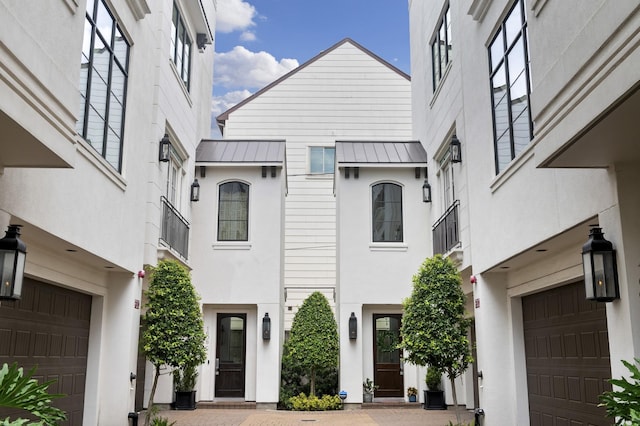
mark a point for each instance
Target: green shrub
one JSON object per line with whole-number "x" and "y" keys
{"x": 303, "y": 402}
{"x": 624, "y": 404}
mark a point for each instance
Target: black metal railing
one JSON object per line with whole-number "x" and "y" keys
{"x": 445, "y": 231}
{"x": 175, "y": 229}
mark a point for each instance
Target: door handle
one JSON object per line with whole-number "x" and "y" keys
{"x": 217, "y": 366}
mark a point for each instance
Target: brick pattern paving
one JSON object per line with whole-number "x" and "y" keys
{"x": 380, "y": 417}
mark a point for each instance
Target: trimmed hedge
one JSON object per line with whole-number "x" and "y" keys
{"x": 303, "y": 402}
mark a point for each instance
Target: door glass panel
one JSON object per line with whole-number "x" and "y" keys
{"x": 232, "y": 340}
{"x": 387, "y": 338}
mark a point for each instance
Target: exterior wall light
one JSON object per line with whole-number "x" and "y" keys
{"x": 165, "y": 149}
{"x": 600, "y": 269}
{"x": 353, "y": 326}
{"x": 195, "y": 190}
{"x": 426, "y": 192}
{"x": 266, "y": 327}
{"x": 456, "y": 152}
{"x": 12, "y": 258}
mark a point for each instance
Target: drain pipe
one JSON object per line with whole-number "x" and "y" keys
{"x": 478, "y": 414}
{"x": 134, "y": 418}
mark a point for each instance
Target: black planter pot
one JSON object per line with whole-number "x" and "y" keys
{"x": 185, "y": 400}
{"x": 434, "y": 400}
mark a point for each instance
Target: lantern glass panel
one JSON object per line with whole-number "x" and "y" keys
{"x": 7, "y": 263}
{"x": 588, "y": 274}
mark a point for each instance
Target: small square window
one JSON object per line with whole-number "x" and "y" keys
{"x": 321, "y": 160}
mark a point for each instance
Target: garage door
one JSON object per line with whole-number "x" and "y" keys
{"x": 567, "y": 351}
{"x": 49, "y": 327}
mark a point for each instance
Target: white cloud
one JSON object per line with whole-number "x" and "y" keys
{"x": 234, "y": 15}
{"x": 241, "y": 67}
{"x": 248, "y": 36}
{"x": 220, "y": 104}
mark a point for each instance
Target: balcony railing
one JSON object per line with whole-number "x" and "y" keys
{"x": 175, "y": 229}
{"x": 445, "y": 230}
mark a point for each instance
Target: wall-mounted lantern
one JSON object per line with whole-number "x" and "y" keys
{"x": 600, "y": 269}
{"x": 12, "y": 258}
{"x": 426, "y": 192}
{"x": 165, "y": 149}
{"x": 266, "y": 327}
{"x": 455, "y": 150}
{"x": 353, "y": 326}
{"x": 195, "y": 190}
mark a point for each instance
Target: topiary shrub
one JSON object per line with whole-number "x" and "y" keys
{"x": 312, "y": 347}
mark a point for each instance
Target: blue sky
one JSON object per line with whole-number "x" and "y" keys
{"x": 257, "y": 41}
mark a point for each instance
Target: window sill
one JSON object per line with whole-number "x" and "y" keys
{"x": 232, "y": 245}
{"x": 512, "y": 168}
{"x": 436, "y": 92}
{"x": 320, "y": 176}
{"x": 100, "y": 163}
{"x": 388, "y": 247}
{"x": 180, "y": 82}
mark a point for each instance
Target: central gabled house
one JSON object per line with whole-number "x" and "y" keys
{"x": 315, "y": 186}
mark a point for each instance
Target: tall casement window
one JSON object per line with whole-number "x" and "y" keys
{"x": 180, "y": 46}
{"x": 233, "y": 212}
{"x": 441, "y": 48}
{"x": 511, "y": 87}
{"x": 387, "y": 212}
{"x": 103, "y": 83}
{"x": 174, "y": 179}
{"x": 321, "y": 160}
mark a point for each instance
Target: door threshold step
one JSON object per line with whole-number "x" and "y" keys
{"x": 248, "y": 405}
{"x": 390, "y": 404}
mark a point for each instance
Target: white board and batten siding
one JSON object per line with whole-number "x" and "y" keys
{"x": 345, "y": 93}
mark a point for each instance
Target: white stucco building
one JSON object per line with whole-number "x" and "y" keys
{"x": 543, "y": 97}
{"x": 87, "y": 91}
{"x": 316, "y": 186}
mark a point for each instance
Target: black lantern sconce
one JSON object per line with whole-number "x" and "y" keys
{"x": 266, "y": 327}
{"x": 455, "y": 150}
{"x": 600, "y": 269}
{"x": 195, "y": 190}
{"x": 12, "y": 258}
{"x": 426, "y": 192}
{"x": 353, "y": 326}
{"x": 165, "y": 149}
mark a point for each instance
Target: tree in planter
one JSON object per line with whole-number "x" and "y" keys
{"x": 174, "y": 333}
{"x": 313, "y": 343}
{"x": 434, "y": 327}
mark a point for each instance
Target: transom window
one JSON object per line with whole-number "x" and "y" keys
{"x": 321, "y": 160}
{"x": 180, "y": 46}
{"x": 387, "y": 212}
{"x": 103, "y": 83}
{"x": 233, "y": 212}
{"x": 511, "y": 87}
{"x": 441, "y": 48}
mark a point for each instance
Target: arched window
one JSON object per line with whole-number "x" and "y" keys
{"x": 387, "y": 212}
{"x": 233, "y": 212}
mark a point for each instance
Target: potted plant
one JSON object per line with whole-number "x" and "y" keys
{"x": 184, "y": 381}
{"x": 368, "y": 388}
{"x": 434, "y": 395}
{"x": 412, "y": 393}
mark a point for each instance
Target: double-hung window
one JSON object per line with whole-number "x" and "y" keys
{"x": 233, "y": 212}
{"x": 321, "y": 160}
{"x": 387, "y": 212}
{"x": 441, "y": 48}
{"x": 103, "y": 83}
{"x": 510, "y": 87}
{"x": 180, "y": 46}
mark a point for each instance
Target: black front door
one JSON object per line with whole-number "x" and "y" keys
{"x": 387, "y": 359}
{"x": 230, "y": 355}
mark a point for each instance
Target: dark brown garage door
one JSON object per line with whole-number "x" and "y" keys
{"x": 49, "y": 327}
{"x": 567, "y": 350}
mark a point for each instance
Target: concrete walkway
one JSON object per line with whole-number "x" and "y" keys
{"x": 382, "y": 417}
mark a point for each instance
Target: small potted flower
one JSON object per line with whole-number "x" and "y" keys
{"x": 368, "y": 388}
{"x": 412, "y": 393}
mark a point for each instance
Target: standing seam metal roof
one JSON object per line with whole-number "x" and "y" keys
{"x": 380, "y": 152}
{"x": 240, "y": 151}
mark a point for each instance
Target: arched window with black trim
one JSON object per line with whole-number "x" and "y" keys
{"x": 387, "y": 212}
{"x": 233, "y": 212}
